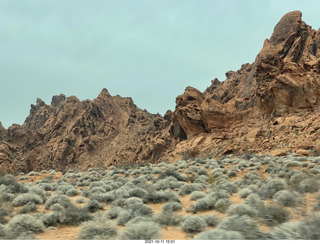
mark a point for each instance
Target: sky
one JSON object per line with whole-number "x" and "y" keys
{"x": 150, "y": 50}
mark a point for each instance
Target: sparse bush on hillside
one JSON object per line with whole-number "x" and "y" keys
{"x": 211, "y": 220}
{"x": 33, "y": 173}
{"x": 93, "y": 206}
{"x": 193, "y": 224}
{"x": 61, "y": 199}
{"x": 25, "y": 198}
{"x": 317, "y": 205}
{"x": 189, "y": 188}
{"x": 243, "y": 193}
{"x": 21, "y": 226}
{"x": 287, "y": 198}
{"x": 46, "y": 186}
{"x": 174, "y": 206}
{"x": 113, "y": 212}
{"x": 272, "y": 187}
{"x": 168, "y": 218}
{"x": 242, "y": 209}
{"x": 74, "y": 215}
{"x": 138, "y": 192}
{"x": 172, "y": 173}
{"x": 274, "y": 214}
{"x": 133, "y": 200}
{"x": 219, "y": 234}
{"x": 197, "y": 195}
{"x": 98, "y": 189}
{"x": 12, "y": 186}
{"x": 142, "y": 231}
{"x": 248, "y": 227}
{"x": 98, "y": 229}
{"x": 102, "y": 197}
{"x": 29, "y": 207}
{"x": 310, "y": 185}
{"x": 287, "y": 231}
{"x": 72, "y": 192}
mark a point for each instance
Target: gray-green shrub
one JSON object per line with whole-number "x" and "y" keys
{"x": 193, "y": 224}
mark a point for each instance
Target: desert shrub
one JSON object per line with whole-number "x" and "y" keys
{"x": 97, "y": 189}
{"x": 310, "y": 228}
{"x": 168, "y": 218}
{"x": 93, "y": 206}
{"x": 138, "y": 192}
{"x": 65, "y": 188}
{"x": 211, "y": 220}
{"x": 61, "y": 199}
{"x": 38, "y": 191}
{"x": 202, "y": 179}
{"x": 317, "y": 205}
{"x": 102, "y": 197}
{"x": 23, "y": 225}
{"x": 274, "y": 214}
{"x": 287, "y": 231}
{"x": 124, "y": 216}
{"x": 142, "y": 231}
{"x": 74, "y": 215}
{"x": 133, "y": 210}
{"x": 98, "y": 229}
{"x": 219, "y": 234}
{"x": 161, "y": 196}
{"x": 2, "y": 231}
{"x": 33, "y": 173}
{"x": 72, "y": 192}
{"x": 172, "y": 173}
{"x": 48, "y": 186}
{"x": 174, "y": 206}
{"x": 12, "y": 186}
{"x": 218, "y": 200}
{"x": 309, "y": 185}
{"x": 287, "y": 198}
{"x": 193, "y": 224}
{"x": 242, "y": 209}
{"x": 113, "y": 212}
{"x": 254, "y": 201}
{"x": 133, "y": 200}
{"x": 29, "y": 207}
{"x": 189, "y": 188}
{"x": 243, "y": 193}
{"x": 244, "y": 224}
{"x": 197, "y": 195}
{"x": 272, "y": 187}
{"x": 25, "y": 198}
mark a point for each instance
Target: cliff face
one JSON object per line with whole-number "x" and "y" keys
{"x": 258, "y": 107}
{"x": 269, "y": 106}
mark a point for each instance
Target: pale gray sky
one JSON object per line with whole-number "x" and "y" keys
{"x": 149, "y": 50}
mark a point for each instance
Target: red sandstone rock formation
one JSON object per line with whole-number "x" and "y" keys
{"x": 269, "y": 106}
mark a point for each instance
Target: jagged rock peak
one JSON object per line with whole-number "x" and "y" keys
{"x": 57, "y": 99}
{"x": 104, "y": 93}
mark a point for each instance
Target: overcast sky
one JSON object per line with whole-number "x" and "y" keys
{"x": 149, "y": 50}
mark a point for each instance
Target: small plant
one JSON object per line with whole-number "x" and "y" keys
{"x": 242, "y": 209}
{"x": 25, "y": 198}
{"x": 193, "y": 224}
{"x": 61, "y": 199}
{"x": 21, "y": 226}
{"x": 287, "y": 198}
{"x": 174, "y": 206}
{"x": 211, "y": 220}
{"x": 243, "y": 224}
{"x": 274, "y": 214}
{"x": 168, "y": 218}
{"x": 197, "y": 195}
{"x": 142, "y": 231}
{"x": 219, "y": 234}
{"x": 189, "y": 188}
{"x": 98, "y": 230}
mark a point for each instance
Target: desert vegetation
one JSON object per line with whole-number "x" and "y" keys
{"x": 245, "y": 197}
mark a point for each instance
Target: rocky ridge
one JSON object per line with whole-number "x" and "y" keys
{"x": 269, "y": 106}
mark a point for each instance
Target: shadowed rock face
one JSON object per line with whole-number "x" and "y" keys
{"x": 269, "y": 106}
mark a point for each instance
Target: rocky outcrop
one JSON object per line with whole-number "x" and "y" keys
{"x": 269, "y": 106}
{"x": 82, "y": 134}
{"x": 249, "y": 111}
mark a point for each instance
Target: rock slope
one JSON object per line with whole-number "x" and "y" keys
{"x": 269, "y": 106}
